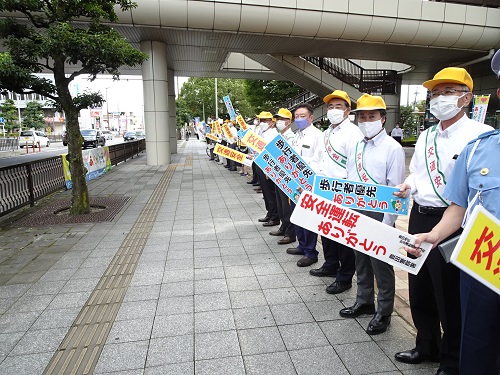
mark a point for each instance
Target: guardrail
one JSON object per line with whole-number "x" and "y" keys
{"x": 24, "y": 184}
{"x": 9, "y": 144}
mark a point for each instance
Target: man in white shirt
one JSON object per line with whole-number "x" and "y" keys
{"x": 267, "y": 185}
{"x": 287, "y": 229}
{"x": 338, "y": 139}
{"x": 434, "y": 291}
{"x": 397, "y": 134}
{"x": 377, "y": 159}
{"x": 308, "y": 144}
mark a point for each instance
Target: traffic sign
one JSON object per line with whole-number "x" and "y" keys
{"x": 2, "y": 120}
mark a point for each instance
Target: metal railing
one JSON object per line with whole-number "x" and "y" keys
{"x": 371, "y": 81}
{"x": 304, "y": 97}
{"x": 9, "y": 144}
{"x": 24, "y": 184}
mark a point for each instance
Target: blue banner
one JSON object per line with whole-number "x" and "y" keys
{"x": 241, "y": 133}
{"x": 229, "y": 106}
{"x": 360, "y": 195}
{"x": 275, "y": 171}
{"x": 295, "y": 166}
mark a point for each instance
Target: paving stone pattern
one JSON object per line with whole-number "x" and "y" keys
{"x": 212, "y": 292}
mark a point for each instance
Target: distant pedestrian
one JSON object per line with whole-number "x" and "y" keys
{"x": 397, "y": 134}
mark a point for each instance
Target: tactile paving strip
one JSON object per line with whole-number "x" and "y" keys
{"x": 82, "y": 346}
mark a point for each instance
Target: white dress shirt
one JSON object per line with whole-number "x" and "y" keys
{"x": 342, "y": 138}
{"x": 308, "y": 144}
{"x": 384, "y": 160}
{"x": 288, "y": 135}
{"x": 449, "y": 144}
{"x": 269, "y": 134}
{"x": 397, "y": 132}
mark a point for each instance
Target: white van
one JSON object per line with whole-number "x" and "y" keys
{"x": 33, "y": 138}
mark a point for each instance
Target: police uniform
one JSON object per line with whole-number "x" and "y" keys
{"x": 480, "y": 305}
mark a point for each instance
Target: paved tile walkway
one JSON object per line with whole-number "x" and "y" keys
{"x": 212, "y": 292}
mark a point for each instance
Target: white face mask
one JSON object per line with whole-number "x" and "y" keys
{"x": 336, "y": 116}
{"x": 445, "y": 107}
{"x": 256, "y": 122}
{"x": 281, "y": 124}
{"x": 370, "y": 128}
{"x": 264, "y": 126}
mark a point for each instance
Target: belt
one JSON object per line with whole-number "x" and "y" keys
{"x": 428, "y": 210}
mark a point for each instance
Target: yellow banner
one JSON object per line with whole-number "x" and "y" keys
{"x": 227, "y": 131}
{"x": 243, "y": 124}
{"x": 232, "y": 154}
{"x": 478, "y": 250}
{"x": 254, "y": 141}
{"x": 212, "y": 137}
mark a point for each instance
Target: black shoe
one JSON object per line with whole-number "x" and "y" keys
{"x": 306, "y": 262}
{"x": 286, "y": 240}
{"x": 251, "y": 182}
{"x": 255, "y": 184}
{"x": 322, "y": 272}
{"x": 277, "y": 233}
{"x": 414, "y": 357}
{"x": 263, "y": 219}
{"x": 294, "y": 251}
{"x": 227, "y": 166}
{"x": 271, "y": 223}
{"x": 338, "y": 287}
{"x": 357, "y": 310}
{"x": 378, "y": 324}
{"x": 211, "y": 159}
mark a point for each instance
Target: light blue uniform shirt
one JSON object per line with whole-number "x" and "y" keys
{"x": 464, "y": 183}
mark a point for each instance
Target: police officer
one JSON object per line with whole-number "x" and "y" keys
{"x": 472, "y": 180}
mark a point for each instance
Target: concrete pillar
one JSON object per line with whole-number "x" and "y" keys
{"x": 156, "y": 116}
{"x": 172, "y": 123}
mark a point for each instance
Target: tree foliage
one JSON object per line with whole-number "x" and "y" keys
{"x": 10, "y": 115}
{"x": 49, "y": 39}
{"x": 265, "y": 95}
{"x": 33, "y": 116}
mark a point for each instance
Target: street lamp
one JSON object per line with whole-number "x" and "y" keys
{"x": 107, "y": 107}
{"x": 18, "y": 96}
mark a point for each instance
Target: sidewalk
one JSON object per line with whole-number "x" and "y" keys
{"x": 183, "y": 280}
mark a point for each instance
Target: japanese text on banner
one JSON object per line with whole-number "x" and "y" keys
{"x": 278, "y": 175}
{"x": 295, "y": 166}
{"x": 357, "y": 231}
{"x": 232, "y": 154}
{"x": 361, "y": 196}
{"x": 478, "y": 250}
{"x": 229, "y": 106}
{"x": 254, "y": 141}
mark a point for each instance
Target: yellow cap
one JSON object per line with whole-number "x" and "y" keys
{"x": 337, "y": 94}
{"x": 285, "y": 113}
{"x": 450, "y": 75}
{"x": 368, "y": 102}
{"x": 265, "y": 115}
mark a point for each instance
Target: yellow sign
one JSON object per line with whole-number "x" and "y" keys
{"x": 478, "y": 250}
{"x": 254, "y": 141}
{"x": 227, "y": 131}
{"x": 243, "y": 124}
{"x": 212, "y": 137}
{"x": 232, "y": 154}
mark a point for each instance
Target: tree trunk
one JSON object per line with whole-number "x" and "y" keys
{"x": 80, "y": 203}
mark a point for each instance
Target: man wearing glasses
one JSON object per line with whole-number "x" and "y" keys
{"x": 435, "y": 291}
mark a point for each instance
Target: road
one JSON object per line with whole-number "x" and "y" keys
{"x": 55, "y": 148}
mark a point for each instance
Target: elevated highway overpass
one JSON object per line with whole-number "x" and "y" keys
{"x": 264, "y": 39}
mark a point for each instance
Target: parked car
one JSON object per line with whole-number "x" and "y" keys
{"x": 92, "y": 138}
{"x": 33, "y": 138}
{"x": 140, "y": 134}
{"x": 107, "y": 134}
{"x": 64, "y": 137}
{"x": 130, "y": 136}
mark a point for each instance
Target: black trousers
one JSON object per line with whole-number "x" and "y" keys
{"x": 435, "y": 300}
{"x": 255, "y": 173}
{"x": 339, "y": 258}
{"x": 284, "y": 213}
{"x": 268, "y": 191}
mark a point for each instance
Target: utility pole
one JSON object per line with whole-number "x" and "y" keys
{"x": 216, "y": 102}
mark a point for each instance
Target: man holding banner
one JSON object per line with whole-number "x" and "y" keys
{"x": 434, "y": 291}
{"x": 338, "y": 139}
{"x": 472, "y": 183}
{"x": 377, "y": 159}
{"x": 308, "y": 144}
{"x": 268, "y": 188}
{"x": 287, "y": 229}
